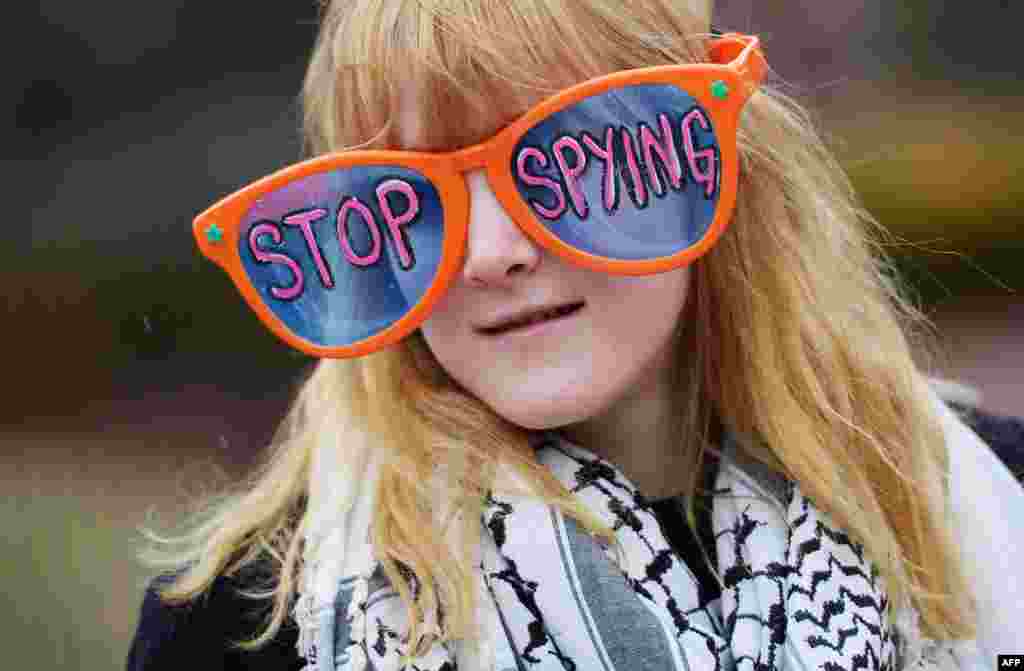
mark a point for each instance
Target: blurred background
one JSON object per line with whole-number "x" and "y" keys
{"x": 135, "y": 367}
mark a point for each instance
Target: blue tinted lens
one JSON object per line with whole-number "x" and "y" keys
{"x": 632, "y": 173}
{"x": 342, "y": 255}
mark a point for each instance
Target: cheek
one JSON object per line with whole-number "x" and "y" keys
{"x": 672, "y": 287}
{"x": 445, "y": 313}
{"x": 656, "y": 297}
{"x": 443, "y": 329}
{"x": 642, "y": 313}
{"x": 436, "y": 334}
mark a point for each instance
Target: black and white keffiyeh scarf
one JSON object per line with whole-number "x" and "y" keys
{"x": 798, "y": 593}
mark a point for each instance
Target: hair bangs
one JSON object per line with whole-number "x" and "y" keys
{"x": 476, "y": 65}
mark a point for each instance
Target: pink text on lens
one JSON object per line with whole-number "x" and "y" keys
{"x": 351, "y": 212}
{"x": 633, "y": 159}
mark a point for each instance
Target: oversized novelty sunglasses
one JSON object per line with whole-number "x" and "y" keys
{"x": 632, "y": 173}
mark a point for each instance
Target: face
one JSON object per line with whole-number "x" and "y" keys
{"x": 613, "y": 353}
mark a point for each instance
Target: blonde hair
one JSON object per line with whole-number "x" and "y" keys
{"x": 796, "y": 307}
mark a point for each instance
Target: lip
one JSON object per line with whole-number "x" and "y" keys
{"x": 488, "y": 327}
{"x": 540, "y": 328}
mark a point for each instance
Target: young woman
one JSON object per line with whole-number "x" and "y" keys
{"x": 614, "y": 374}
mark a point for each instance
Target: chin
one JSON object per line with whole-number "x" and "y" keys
{"x": 544, "y": 415}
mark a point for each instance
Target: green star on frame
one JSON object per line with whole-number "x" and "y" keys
{"x": 214, "y": 234}
{"x": 720, "y": 89}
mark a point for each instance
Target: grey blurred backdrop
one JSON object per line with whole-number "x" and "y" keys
{"x": 136, "y": 371}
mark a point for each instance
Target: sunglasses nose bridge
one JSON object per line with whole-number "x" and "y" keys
{"x": 469, "y": 158}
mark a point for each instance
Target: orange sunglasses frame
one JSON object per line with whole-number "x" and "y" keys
{"x": 736, "y": 69}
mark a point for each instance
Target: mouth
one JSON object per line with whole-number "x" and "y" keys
{"x": 558, "y": 314}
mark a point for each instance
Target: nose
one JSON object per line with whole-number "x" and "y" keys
{"x": 496, "y": 250}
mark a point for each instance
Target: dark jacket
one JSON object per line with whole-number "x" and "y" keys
{"x": 198, "y": 635}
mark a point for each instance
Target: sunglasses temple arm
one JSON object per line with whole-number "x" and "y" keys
{"x": 742, "y": 53}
